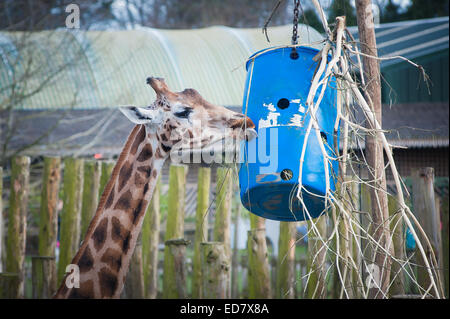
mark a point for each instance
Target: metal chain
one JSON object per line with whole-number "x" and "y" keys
{"x": 294, "y": 53}
{"x": 295, "y": 22}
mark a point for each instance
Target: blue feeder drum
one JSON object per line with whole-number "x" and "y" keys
{"x": 275, "y": 95}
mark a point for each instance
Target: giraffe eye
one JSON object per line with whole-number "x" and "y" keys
{"x": 184, "y": 113}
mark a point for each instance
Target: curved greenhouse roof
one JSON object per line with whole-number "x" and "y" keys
{"x": 96, "y": 69}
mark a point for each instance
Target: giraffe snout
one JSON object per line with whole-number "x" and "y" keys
{"x": 243, "y": 122}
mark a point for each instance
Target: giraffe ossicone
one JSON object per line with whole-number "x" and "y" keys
{"x": 176, "y": 120}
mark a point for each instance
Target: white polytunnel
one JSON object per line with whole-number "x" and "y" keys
{"x": 62, "y": 69}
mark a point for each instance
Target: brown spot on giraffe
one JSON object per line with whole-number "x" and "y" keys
{"x": 108, "y": 282}
{"x": 125, "y": 174}
{"x": 86, "y": 291}
{"x": 120, "y": 234}
{"x": 124, "y": 202}
{"x": 86, "y": 261}
{"x": 145, "y": 154}
{"x": 99, "y": 235}
{"x": 140, "y": 137}
{"x": 113, "y": 258}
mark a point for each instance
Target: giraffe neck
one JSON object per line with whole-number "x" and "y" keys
{"x": 106, "y": 251}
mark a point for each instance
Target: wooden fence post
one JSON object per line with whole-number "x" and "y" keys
{"x": 445, "y": 239}
{"x": 235, "y": 256}
{"x": 316, "y": 285}
{"x": 48, "y": 229}
{"x": 258, "y": 262}
{"x": 177, "y": 251}
{"x": 8, "y": 285}
{"x": 91, "y": 189}
{"x": 223, "y": 208}
{"x": 71, "y": 213}
{"x": 425, "y": 211}
{"x": 175, "y": 226}
{"x": 134, "y": 283}
{"x": 201, "y": 228}
{"x": 107, "y": 168}
{"x": 397, "y": 232}
{"x": 215, "y": 270}
{"x": 1, "y": 220}
{"x": 150, "y": 243}
{"x": 17, "y": 224}
{"x": 285, "y": 261}
{"x": 222, "y": 221}
{"x": 43, "y": 270}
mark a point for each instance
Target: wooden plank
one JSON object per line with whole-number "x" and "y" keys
{"x": 43, "y": 270}
{"x": 201, "y": 227}
{"x": 150, "y": 243}
{"x": 426, "y": 213}
{"x": 91, "y": 189}
{"x": 71, "y": 213}
{"x": 17, "y": 223}
{"x": 215, "y": 270}
{"x": 48, "y": 228}
{"x": 258, "y": 263}
{"x": 175, "y": 227}
{"x": 285, "y": 284}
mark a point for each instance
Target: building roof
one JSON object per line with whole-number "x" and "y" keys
{"x": 96, "y": 69}
{"x": 410, "y": 39}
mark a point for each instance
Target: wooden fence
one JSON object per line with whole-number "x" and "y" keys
{"x": 166, "y": 264}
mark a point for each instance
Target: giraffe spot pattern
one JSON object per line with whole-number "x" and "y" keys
{"x": 108, "y": 282}
{"x": 145, "y": 154}
{"x": 113, "y": 258}
{"x": 145, "y": 169}
{"x": 99, "y": 235}
{"x": 124, "y": 202}
{"x": 86, "y": 261}
{"x": 86, "y": 291}
{"x": 110, "y": 199}
{"x": 120, "y": 234}
{"x": 138, "y": 211}
{"x": 125, "y": 174}
{"x": 138, "y": 140}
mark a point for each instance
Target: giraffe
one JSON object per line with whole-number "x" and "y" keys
{"x": 105, "y": 253}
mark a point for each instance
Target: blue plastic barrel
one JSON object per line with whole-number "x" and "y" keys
{"x": 275, "y": 100}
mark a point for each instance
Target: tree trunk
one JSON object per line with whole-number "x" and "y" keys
{"x": 374, "y": 150}
{"x": 201, "y": 227}
{"x": 71, "y": 214}
{"x": 17, "y": 223}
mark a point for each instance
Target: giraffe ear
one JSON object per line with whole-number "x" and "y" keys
{"x": 141, "y": 115}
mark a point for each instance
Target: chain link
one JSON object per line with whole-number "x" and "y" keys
{"x": 295, "y": 22}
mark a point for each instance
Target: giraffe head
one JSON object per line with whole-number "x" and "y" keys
{"x": 184, "y": 120}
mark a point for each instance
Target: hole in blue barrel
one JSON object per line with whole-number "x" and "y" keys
{"x": 276, "y": 91}
{"x": 283, "y": 103}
